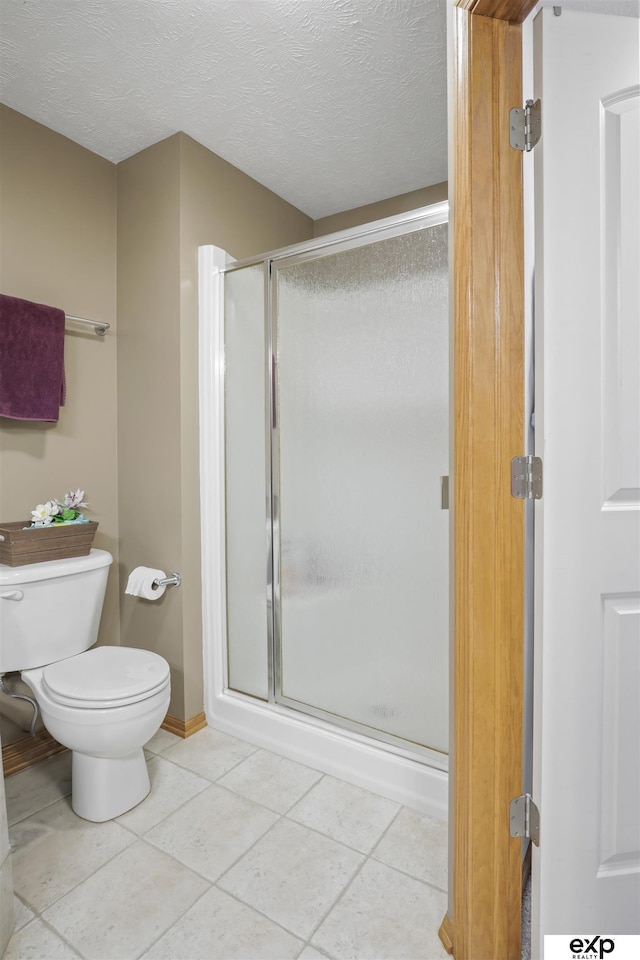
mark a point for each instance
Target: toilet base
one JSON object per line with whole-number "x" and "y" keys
{"x": 103, "y": 788}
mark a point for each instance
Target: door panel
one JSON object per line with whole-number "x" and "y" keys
{"x": 621, "y": 299}
{"x": 587, "y": 671}
{"x": 619, "y": 843}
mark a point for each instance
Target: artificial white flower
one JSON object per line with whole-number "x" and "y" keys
{"x": 73, "y": 501}
{"x": 44, "y": 513}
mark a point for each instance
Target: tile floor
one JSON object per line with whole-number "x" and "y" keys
{"x": 236, "y": 853}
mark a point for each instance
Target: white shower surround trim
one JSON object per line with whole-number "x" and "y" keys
{"x": 386, "y": 770}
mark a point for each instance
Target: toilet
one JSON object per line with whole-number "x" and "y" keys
{"x": 102, "y": 703}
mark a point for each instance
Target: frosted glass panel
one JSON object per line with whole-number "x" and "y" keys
{"x": 245, "y": 483}
{"x": 363, "y": 422}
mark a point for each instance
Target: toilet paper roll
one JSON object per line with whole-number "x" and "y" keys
{"x": 140, "y": 583}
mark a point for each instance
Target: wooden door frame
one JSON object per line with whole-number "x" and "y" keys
{"x": 483, "y": 920}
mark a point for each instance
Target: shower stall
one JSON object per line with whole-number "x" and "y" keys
{"x": 324, "y": 472}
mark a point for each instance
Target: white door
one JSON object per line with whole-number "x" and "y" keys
{"x": 586, "y": 872}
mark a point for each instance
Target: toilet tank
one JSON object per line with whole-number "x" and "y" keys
{"x": 51, "y": 610}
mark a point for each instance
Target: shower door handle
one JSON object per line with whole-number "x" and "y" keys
{"x": 274, "y": 393}
{"x": 444, "y": 493}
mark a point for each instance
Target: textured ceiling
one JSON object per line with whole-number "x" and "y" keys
{"x": 330, "y": 103}
{"x": 618, "y": 8}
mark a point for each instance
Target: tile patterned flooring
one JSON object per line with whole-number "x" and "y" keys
{"x": 236, "y": 853}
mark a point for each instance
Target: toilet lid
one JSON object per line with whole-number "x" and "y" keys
{"x": 106, "y": 676}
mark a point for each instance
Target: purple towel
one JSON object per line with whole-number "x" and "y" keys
{"x": 32, "y": 385}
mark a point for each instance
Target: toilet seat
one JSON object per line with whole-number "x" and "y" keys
{"x": 106, "y": 677}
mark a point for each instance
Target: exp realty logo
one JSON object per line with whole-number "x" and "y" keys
{"x": 566, "y": 946}
{"x": 586, "y": 948}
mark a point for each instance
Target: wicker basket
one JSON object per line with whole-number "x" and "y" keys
{"x": 35, "y": 544}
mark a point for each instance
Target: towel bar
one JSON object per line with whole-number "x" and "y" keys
{"x": 101, "y": 326}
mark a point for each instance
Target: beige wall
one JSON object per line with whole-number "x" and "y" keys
{"x": 223, "y": 206}
{"x": 403, "y": 203}
{"x": 58, "y": 246}
{"x": 149, "y": 397}
{"x": 173, "y": 197}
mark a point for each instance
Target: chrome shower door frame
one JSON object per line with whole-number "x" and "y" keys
{"x": 412, "y": 222}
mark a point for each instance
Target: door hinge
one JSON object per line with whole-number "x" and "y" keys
{"x": 525, "y": 125}
{"x": 524, "y": 818}
{"x": 526, "y": 478}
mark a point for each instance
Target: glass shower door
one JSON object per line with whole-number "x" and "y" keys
{"x": 247, "y": 471}
{"x": 360, "y": 450}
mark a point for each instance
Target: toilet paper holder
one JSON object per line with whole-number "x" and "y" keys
{"x": 172, "y": 581}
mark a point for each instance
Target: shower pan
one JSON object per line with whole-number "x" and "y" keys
{"x": 324, "y": 440}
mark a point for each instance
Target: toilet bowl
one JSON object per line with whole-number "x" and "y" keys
{"x": 104, "y": 703}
